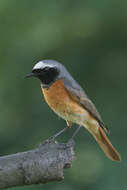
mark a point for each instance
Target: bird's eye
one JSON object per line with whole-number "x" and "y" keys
{"x": 37, "y": 70}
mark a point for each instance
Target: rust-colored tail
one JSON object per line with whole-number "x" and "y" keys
{"x": 106, "y": 145}
{"x": 104, "y": 142}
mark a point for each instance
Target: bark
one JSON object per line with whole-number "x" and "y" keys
{"x": 41, "y": 165}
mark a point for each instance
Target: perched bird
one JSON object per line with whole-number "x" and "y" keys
{"x": 67, "y": 99}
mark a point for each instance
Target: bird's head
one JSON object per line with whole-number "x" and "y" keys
{"x": 48, "y": 71}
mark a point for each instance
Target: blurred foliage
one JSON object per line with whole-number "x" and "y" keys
{"x": 89, "y": 37}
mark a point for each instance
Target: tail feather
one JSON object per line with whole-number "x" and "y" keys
{"x": 106, "y": 145}
{"x": 101, "y": 138}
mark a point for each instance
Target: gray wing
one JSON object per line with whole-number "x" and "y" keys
{"x": 80, "y": 96}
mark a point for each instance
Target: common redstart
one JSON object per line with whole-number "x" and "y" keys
{"x": 67, "y": 99}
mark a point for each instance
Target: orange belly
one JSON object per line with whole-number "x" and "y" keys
{"x": 59, "y": 99}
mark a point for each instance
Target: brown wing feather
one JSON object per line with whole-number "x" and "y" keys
{"x": 82, "y": 98}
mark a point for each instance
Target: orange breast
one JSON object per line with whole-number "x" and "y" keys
{"x": 59, "y": 99}
{"x": 56, "y": 96}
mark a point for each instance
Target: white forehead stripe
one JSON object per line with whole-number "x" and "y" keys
{"x": 39, "y": 65}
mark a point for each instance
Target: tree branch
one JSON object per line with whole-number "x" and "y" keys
{"x": 41, "y": 165}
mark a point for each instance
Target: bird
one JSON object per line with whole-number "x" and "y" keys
{"x": 68, "y": 100}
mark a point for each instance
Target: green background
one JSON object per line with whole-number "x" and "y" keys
{"x": 90, "y": 38}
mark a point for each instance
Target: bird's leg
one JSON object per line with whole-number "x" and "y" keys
{"x": 75, "y": 133}
{"x": 60, "y": 132}
{"x": 69, "y": 125}
{"x": 57, "y": 134}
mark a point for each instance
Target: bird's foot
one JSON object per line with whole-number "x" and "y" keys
{"x": 50, "y": 140}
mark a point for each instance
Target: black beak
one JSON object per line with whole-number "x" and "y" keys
{"x": 30, "y": 75}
